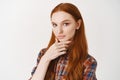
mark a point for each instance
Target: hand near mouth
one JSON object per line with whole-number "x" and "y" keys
{"x": 57, "y": 49}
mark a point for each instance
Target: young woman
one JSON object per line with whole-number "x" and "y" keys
{"x": 66, "y": 57}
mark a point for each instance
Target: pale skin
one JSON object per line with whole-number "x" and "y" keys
{"x": 64, "y": 27}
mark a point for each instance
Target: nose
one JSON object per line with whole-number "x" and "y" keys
{"x": 60, "y": 30}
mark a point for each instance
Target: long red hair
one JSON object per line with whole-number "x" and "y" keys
{"x": 79, "y": 49}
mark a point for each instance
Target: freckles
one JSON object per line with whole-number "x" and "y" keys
{"x": 53, "y": 31}
{"x": 73, "y": 30}
{"x": 70, "y": 31}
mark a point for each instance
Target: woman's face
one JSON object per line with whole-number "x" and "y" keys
{"x": 64, "y": 25}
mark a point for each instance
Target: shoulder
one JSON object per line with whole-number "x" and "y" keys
{"x": 41, "y": 53}
{"x": 90, "y": 61}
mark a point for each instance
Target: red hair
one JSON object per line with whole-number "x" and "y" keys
{"x": 79, "y": 49}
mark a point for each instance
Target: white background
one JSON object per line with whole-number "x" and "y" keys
{"x": 25, "y": 29}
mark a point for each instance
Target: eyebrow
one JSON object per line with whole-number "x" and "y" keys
{"x": 62, "y": 21}
{"x": 65, "y": 20}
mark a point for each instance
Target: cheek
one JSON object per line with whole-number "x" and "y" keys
{"x": 54, "y": 32}
{"x": 70, "y": 33}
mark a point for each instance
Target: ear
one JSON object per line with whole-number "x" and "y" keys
{"x": 78, "y": 24}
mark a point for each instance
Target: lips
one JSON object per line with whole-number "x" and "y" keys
{"x": 60, "y": 36}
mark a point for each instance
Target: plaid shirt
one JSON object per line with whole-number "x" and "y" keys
{"x": 90, "y": 65}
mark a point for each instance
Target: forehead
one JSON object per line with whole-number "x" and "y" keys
{"x": 61, "y": 16}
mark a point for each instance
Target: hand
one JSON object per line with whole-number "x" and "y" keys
{"x": 56, "y": 50}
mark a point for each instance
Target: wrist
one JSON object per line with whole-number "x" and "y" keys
{"x": 45, "y": 59}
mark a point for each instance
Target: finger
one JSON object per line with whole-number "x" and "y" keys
{"x": 56, "y": 40}
{"x": 62, "y": 49}
{"x": 59, "y": 54}
{"x": 64, "y": 43}
{"x": 67, "y": 42}
{"x": 62, "y": 46}
{"x": 63, "y": 52}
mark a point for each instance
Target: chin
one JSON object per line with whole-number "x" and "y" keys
{"x": 65, "y": 39}
{"x": 61, "y": 40}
